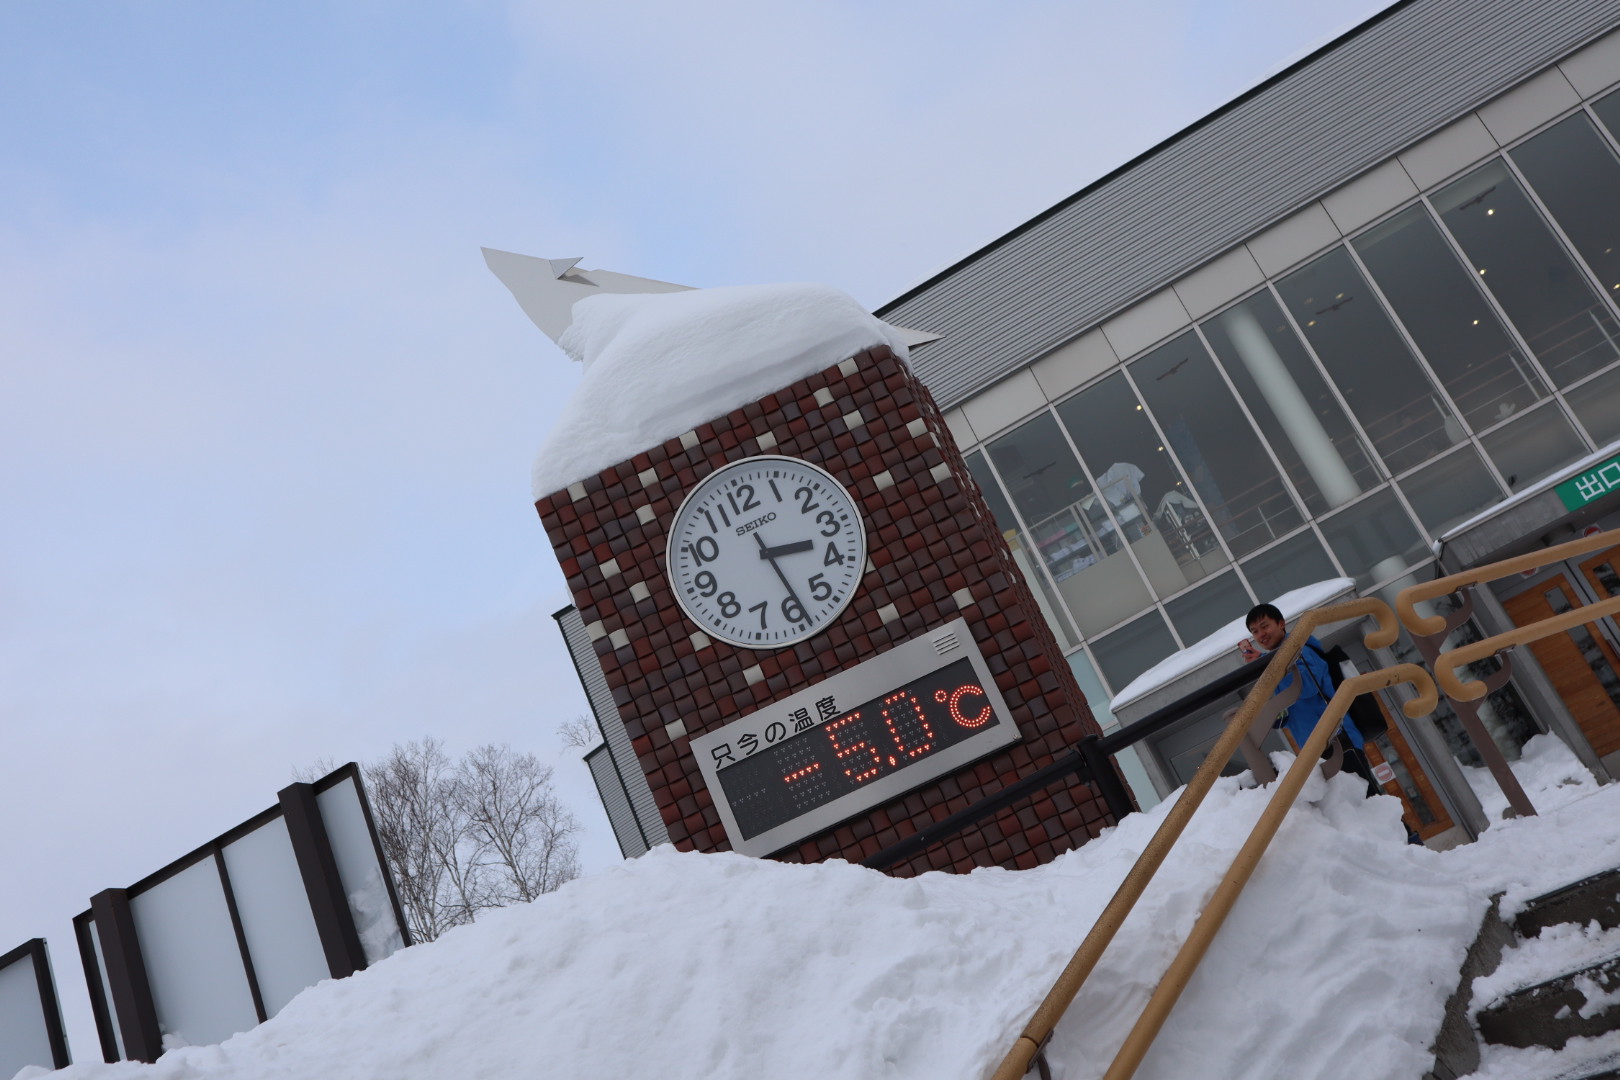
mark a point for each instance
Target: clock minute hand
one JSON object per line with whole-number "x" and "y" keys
{"x": 770, "y": 554}
{"x": 786, "y": 549}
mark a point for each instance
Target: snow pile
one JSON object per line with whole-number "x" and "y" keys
{"x": 659, "y": 364}
{"x": 720, "y": 966}
{"x": 1292, "y": 604}
{"x": 1336, "y": 962}
{"x": 1545, "y": 765}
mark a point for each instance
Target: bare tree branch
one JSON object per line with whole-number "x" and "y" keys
{"x": 513, "y": 815}
{"x": 580, "y": 733}
{"x": 461, "y": 837}
{"x": 315, "y": 770}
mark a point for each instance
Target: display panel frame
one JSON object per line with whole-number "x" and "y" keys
{"x": 718, "y": 750}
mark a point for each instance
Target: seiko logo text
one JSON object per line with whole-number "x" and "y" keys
{"x": 756, "y": 523}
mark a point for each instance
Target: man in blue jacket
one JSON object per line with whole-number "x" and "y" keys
{"x": 1267, "y": 628}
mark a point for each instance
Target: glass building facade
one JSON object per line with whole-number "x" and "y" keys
{"x": 1335, "y": 420}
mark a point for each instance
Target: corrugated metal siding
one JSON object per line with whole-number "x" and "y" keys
{"x": 649, "y": 831}
{"x": 616, "y": 801}
{"x": 1294, "y": 140}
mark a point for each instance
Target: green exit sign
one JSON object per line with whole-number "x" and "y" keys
{"x": 1594, "y": 483}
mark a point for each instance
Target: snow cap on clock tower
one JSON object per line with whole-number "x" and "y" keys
{"x": 679, "y": 384}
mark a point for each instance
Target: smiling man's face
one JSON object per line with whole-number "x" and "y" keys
{"x": 1268, "y": 633}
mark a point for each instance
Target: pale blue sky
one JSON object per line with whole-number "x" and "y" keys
{"x": 266, "y": 422}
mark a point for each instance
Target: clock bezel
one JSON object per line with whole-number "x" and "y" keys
{"x": 816, "y": 628}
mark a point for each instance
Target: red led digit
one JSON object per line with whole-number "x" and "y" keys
{"x": 802, "y": 773}
{"x": 977, "y": 720}
{"x": 843, "y": 752}
{"x": 924, "y": 744}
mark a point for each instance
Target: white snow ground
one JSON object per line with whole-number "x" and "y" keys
{"x": 1336, "y": 962}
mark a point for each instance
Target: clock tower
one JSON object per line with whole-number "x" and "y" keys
{"x": 814, "y": 634}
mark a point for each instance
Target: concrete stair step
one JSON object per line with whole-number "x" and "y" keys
{"x": 1596, "y": 898}
{"x": 1602, "y": 1067}
{"x": 1549, "y": 1013}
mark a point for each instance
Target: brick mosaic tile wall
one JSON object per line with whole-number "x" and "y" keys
{"x": 932, "y": 543}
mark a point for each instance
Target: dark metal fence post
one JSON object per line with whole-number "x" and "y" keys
{"x": 327, "y": 901}
{"x": 134, "y": 1011}
{"x": 1107, "y": 780}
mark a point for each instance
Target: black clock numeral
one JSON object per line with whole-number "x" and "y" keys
{"x": 792, "y": 610}
{"x": 706, "y": 585}
{"x": 729, "y": 607}
{"x": 807, "y": 497}
{"x": 762, "y": 607}
{"x": 819, "y": 589}
{"x": 834, "y": 557}
{"x": 774, "y": 491}
{"x": 703, "y": 550}
{"x": 722, "y": 512}
{"x": 747, "y": 503}
{"x": 827, "y": 518}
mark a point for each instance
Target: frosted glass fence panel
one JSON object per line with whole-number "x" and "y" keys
{"x": 24, "y": 1038}
{"x": 192, "y": 959}
{"x": 360, "y": 869}
{"x": 274, "y": 910}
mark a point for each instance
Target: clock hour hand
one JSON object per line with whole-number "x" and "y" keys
{"x": 786, "y": 549}
{"x": 770, "y": 554}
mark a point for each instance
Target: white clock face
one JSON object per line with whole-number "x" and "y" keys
{"x": 766, "y": 551}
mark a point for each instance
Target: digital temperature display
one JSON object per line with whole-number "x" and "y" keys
{"x": 863, "y": 737}
{"x": 875, "y": 738}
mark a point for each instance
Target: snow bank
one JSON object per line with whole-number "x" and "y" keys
{"x": 1335, "y": 964}
{"x": 659, "y": 364}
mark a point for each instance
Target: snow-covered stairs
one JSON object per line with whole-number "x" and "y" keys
{"x": 1540, "y": 994}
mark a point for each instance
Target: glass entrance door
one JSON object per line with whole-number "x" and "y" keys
{"x": 1582, "y": 664}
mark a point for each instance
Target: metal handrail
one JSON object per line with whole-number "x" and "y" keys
{"x": 1237, "y": 876}
{"x": 1407, "y": 599}
{"x": 1058, "y": 999}
{"x": 1429, "y": 633}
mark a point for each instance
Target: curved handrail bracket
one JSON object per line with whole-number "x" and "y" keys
{"x": 1407, "y": 599}
{"x": 1381, "y": 637}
